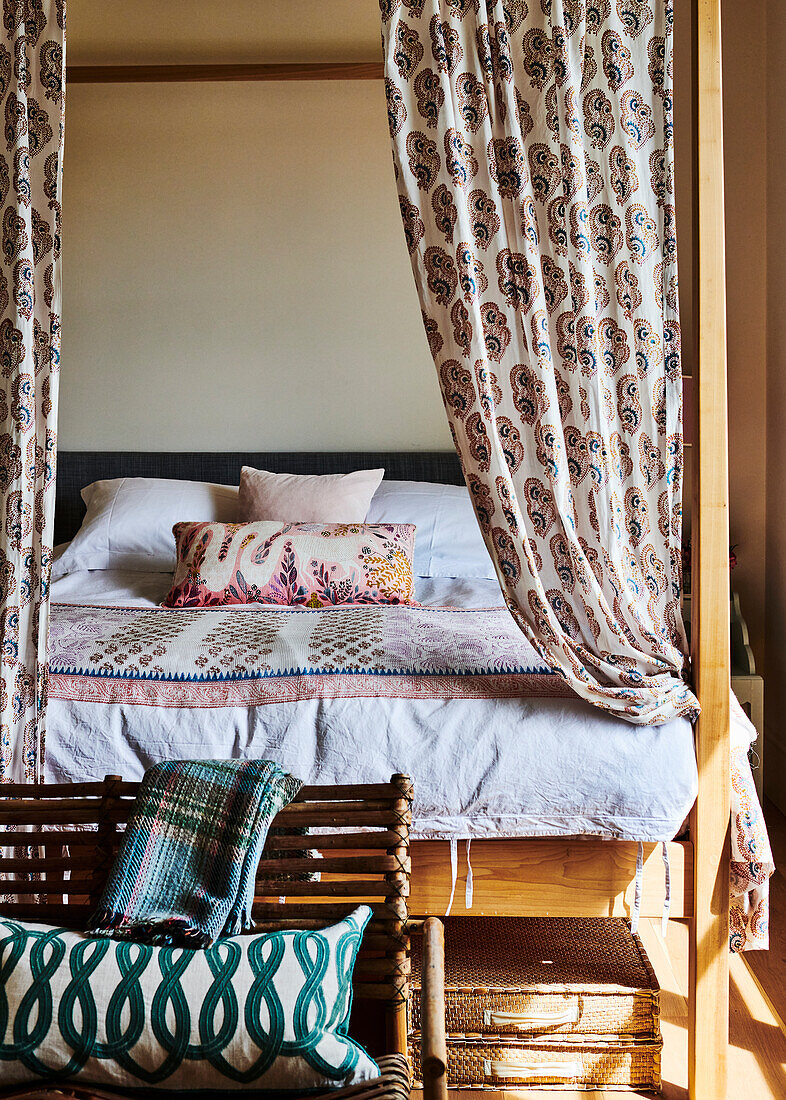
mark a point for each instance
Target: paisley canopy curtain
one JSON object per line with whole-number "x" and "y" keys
{"x": 533, "y": 150}
{"x": 534, "y": 157}
{"x": 32, "y": 49}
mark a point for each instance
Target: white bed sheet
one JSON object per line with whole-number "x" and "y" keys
{"x": 124, "y": 587}
{"x": 482, "y": 768}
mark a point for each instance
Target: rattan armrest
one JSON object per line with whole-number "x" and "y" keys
{"x": 434, "y": 1052}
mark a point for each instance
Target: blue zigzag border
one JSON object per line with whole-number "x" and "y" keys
{"x": 183, "y": 678}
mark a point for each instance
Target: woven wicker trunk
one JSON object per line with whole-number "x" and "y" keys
{"x": 562, "y": 1003}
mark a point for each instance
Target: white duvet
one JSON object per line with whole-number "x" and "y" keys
{"x": 482, "y": 768}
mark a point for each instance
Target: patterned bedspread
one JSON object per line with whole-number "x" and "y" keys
{"x": 208, "y": 659}
{"x": 233, "y": 657}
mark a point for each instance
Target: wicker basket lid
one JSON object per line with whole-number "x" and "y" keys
{"x": 522, "y": 952}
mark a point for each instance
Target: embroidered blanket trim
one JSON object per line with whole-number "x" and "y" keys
{"x": 224, "y": 658}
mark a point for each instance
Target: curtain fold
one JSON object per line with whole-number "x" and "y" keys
{"x": 32, "y": 90}
{"x": 534, "y": 156}
{"x": 533, "y": 148}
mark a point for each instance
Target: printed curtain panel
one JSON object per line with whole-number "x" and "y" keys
{"x": 533, "y": 150}
{"x": 32, "y": 49}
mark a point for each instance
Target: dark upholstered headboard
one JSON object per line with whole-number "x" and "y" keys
{"x": 75, "y": 469}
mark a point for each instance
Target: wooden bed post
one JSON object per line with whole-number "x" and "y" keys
{"x": 709, "y": 963}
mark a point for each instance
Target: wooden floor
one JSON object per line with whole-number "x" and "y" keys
{"x": 757, "y": 1063}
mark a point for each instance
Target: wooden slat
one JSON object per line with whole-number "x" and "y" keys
{"x": 361, "y": 888}
{"x": 709, "y": 966}
{"x": 71, "y": 837}
{"x": 44, "y": 815}
{"x": 129, "y": 789}
{"x": 50, "y": 884}
{"x": 47, "y": 865}
{"x": 384, "y": 838}
{"x": 372, "y": 840}
{"x": 62, "y": 806}
{"x": 52, "y": 790}
{"x": 73, "y": 811}
{"x": 391, "y": 910}
{"x": 550, "y": 877}
{"x": 380, "y": 991}
{"x": 336, "y": 792}
{"x": 372, "y": 941}
{"x": 376, "y": 863}
{"x": 166, "y": 74}
{"x": 334, "y": 815}
{"x": 70, "y": 916}
{"x": 345, "y": 809}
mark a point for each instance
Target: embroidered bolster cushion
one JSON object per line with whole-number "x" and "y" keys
{"x": 305, "y": 564}
{"x": 268, "y": 1011}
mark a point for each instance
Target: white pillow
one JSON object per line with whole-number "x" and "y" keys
{"x": 129, "y": 522}
{"x": 448, "y": 541}
{"x": 306, "y": 498}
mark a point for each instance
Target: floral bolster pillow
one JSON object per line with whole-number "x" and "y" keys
{"x": 298, "y": 564}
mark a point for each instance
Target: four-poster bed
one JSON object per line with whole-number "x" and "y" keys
{"x": 588, "y": 877}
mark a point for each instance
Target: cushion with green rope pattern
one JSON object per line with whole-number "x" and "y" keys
{"x": 265, "y": 1011}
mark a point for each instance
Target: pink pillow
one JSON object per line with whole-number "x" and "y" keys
{"x": 306, "y": 564}
{"x": 306, "y": 498}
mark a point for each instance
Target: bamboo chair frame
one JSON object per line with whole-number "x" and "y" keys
{"x": 70, "y": 834}
{"x": 433, "y": 1040}
{"x": 585, "y": 877}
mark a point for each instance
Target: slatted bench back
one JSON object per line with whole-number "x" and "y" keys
{"x": 58, "y": 842}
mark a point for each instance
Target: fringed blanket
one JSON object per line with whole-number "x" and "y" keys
{"x": 187, "y": 863}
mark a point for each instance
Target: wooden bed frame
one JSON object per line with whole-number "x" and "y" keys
{"x": 588, "y": 877}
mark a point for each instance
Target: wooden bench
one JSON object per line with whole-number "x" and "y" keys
{"x": 58, "y": 843}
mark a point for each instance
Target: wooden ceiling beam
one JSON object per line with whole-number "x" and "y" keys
{"x": 168, "y": 74}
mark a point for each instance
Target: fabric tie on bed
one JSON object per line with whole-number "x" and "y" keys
{"x": 186, "y": 867}
{"x": 469, "y": 887}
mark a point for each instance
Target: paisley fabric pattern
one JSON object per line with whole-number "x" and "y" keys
{"x": 267, "y": 1011}
{"x": 32, "y": 88}
{"x": 534, "y": 157}
{"x": 299, "y": 564}
{"x": 545, "y": 260}
{"x": 752, "y": 862}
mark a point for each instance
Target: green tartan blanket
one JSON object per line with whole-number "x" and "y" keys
{"x": 187, "y": 863}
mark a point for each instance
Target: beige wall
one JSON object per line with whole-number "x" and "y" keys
{"x": 744, "y": 104}
{"x": 235, "y": 273}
